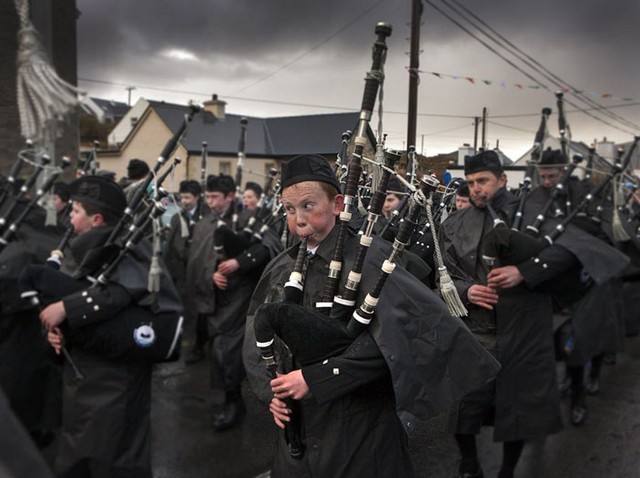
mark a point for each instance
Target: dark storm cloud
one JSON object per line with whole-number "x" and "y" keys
{"x": 251, "y": 30}
{"x": 303, "y": 51}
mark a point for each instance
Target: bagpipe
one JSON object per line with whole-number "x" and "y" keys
{"x": 135, "y": 333}
{"x": 271, "y": 319}
{"x": 229, "y": 243}
{"x": 10, "y": 186}
{"x": 503, "y": 245}
{"x": 21, "y": 194}
{"x": 203, "y": 178}
{"x": 559, "y": 191}
{"x": 525, "y": 188}
{"x": 10, "y": 232}
{"x": 149, "y": 328}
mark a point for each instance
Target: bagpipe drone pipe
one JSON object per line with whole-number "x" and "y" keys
{"x": 524, "y": 189}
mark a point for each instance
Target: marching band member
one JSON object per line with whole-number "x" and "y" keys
{"x": 222, "y": 292}
{"x": 106, "y": 421}
{"x": 513, "y": 323}
{"x": 355, "y": 406}
{"x": 176, "y": 255}
{"x": 596, "y": 325}
{"x": 251, "y": 196}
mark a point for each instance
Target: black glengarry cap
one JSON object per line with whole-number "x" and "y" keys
{"x": 308, "y": 167}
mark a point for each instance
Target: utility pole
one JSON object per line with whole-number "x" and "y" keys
{"x": 476, "y": 123}
{"x": 129, "y": 88}
{"x": 414, "y": 65}
{"x": 484, "y": 127}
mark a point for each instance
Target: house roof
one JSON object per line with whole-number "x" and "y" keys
{"x": 111, "y": 109}
{"x": 554, "y": 143}
{"x": 276, "y": 137}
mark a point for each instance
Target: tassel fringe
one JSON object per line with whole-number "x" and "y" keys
{"x": 450, "y": 294}
{"x": 619, "y": 232}
{"x": 43, "y": 98}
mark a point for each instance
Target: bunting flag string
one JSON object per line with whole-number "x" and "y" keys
{"x": 520, "y": 86}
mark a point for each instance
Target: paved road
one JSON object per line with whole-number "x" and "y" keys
{"x": 186, "y": 446}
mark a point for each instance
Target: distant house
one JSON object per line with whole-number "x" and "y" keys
{"x": 96, "y": 119}
{"x": 147, "y": 127}
{"x": 105, "y": 111}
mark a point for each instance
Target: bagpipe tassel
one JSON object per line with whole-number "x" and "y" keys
{"x": 450, "y": 293}
{"x": 51, "y": 219}
{"x": 619, "y": 232}
{"x": 155, "y": 271}
{"x": 447, "y": 287}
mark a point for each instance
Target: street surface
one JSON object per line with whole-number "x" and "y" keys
{"x": 185, "y": 444}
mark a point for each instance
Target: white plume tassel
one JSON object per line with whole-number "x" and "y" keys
{"x": 43, "y": 97}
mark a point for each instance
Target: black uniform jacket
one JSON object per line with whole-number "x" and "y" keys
{"x": 518, "y": 330}
{"x": 415, "y": 361}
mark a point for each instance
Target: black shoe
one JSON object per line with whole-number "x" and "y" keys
{"x": 229, "y": 417}
{"x": 578, "y": 411}
{"x": 593, "y": 385}
{"x": 609, "y": 359}
{"x": 196, "y": 355}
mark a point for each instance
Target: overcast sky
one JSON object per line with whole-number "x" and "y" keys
{"x": 293, "y": 57}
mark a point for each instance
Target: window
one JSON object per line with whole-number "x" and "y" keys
{"x": 225, "y": 167}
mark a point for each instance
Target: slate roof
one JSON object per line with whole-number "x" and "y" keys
{"x": 273, "y": 137}
{"x": 112, "y": 109}
{"x": 554, "y": 143}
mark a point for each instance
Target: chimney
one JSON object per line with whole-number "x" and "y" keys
{"x": 464, "y": 151}
{"x": 215, "y": 107}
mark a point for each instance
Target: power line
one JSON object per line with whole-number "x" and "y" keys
{"x": 530, "y": 61}
{"x": 327, "y": 107}
{"x": 313, "y": 48}
{"x": 508, "y": 61}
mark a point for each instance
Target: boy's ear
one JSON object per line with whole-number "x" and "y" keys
{"x": 338, "y": 204}
{"x": 97, "y": 220}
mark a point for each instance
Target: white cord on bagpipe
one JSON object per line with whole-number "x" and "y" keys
{"x": 44, "y": 99}
{"x": 155, "y": 271}
{"x": 446, "y": 285}
{"x": 410, "y": 187}
{"x": 618, "y": 230}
